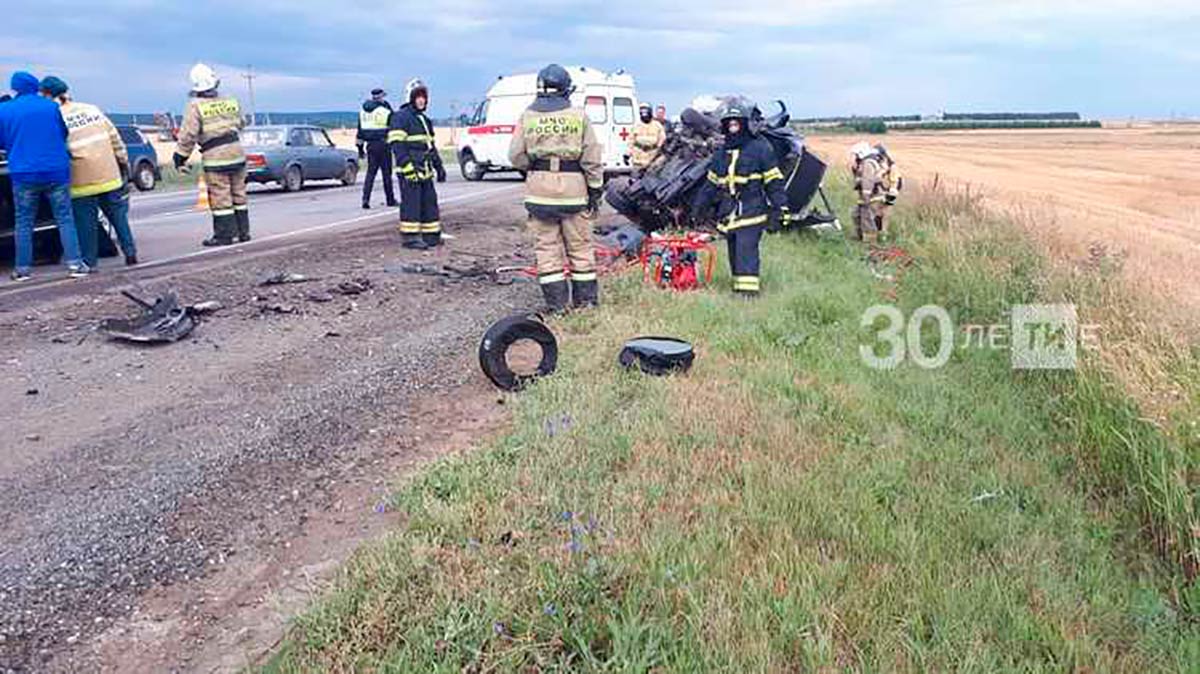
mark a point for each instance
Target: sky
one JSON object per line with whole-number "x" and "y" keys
{"x": 1107, "y": 59}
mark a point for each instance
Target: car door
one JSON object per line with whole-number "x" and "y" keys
{"x": 300, "y": 149}
{"x": 332, "y": 162}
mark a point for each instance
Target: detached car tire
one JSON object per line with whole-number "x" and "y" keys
{"x": 493, "y": 350}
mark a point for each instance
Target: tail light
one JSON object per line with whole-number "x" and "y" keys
{"x": 255, "y": 161}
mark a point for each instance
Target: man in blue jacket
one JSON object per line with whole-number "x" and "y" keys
{"x": 34, "y": 135}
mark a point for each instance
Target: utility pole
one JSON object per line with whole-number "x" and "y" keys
{"x": 249, "y": 75}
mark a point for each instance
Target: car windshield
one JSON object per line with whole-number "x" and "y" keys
{"x": 262, "y": 137}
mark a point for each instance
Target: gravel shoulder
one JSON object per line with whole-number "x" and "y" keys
{"x": 168, "y": 508}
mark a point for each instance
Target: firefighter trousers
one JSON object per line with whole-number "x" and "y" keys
{"x": 561, "y": 244}
{"x": 419, "y": 219}
{"x": 870, "y": 220}
{"x": 379, "y": 159}
{"x": 744, "y": 258}
{"x": 228, "y": 203}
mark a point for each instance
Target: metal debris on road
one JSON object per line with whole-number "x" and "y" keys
{"x": 202, "y": 308}
{"x": 320, "y": 297}
{"x": 356, "y": 286}
{"x": 282, "y": 278}
{"x": 163, "y": 321}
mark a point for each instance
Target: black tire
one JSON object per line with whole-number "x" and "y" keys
{"x": 493, "y": 350}
{"x": 144, "y": 177}
{"x": 350, "y": 174}
{"x": 615, "y": 195}
{"x": 471, "y": 169}
{"x": 293, "y": 179}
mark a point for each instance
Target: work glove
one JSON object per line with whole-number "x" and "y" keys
{"x": 594, "y": 199}
{"x": 124, "y": 169}
{"x": 441, "y": 173}
{"x": 890, "y": 199}
{"x": 362, "y": 154}
{"x": 180, "y": 162}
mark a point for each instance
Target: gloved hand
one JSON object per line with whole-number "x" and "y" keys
{"x": 890, "y": 199}
{"x": 441, "y": 173}
{"x": 180, "y": 162}
{"x": 124, "y": 169}
{"x": 594, "y": 194}
{"x": 362, "y": 153}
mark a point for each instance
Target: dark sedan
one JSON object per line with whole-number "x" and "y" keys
{"x": 292, "y": 155}
{"x": 143, "y": 160}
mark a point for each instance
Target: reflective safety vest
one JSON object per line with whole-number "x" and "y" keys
{"x": 97, "y": 151}
{"x": 373, "y": 123}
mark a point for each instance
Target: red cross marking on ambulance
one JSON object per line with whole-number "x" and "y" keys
{"x": 624, "y": 134}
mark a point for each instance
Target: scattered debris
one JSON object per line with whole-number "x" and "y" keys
{"x": 202, "y": 308}
{"x": 333, "y": 333}
{"x": 356, "y": 286}
{"x": 657, "y": 355}
{"x": 33, "y": 437}
{"x": 987, "y": 496}
{"x": 493, "y": 350}
{"x": 278, "y": 308}
{"x": 476, "y": 270}
{"x": 163, "y": 321}
{"x": 319, "y": 296}
{"x": 282, "y": 278}
{"x": 31, "y": 391}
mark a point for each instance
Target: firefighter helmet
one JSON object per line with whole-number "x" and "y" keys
{"x": 554, "y": 79}
{"x": 733, "y": 109}
{"x": 862, "y": 150}
{"x": 415, "y": 86}
{"x": 203, "y": 78}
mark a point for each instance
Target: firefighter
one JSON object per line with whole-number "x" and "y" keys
{"x": 372, "y": 133}
{"x": 212, "y": 121}
{"x": 99, "y": 173}
{"x": 411, "y": 139}
{"x": 555, "y": 144}
{"x": 877, "y": 183}
{"x": 648, "y": 138}
{"x": 747, "y": 188}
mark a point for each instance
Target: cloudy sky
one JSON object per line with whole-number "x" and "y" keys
{"x": 1104, "y": 58}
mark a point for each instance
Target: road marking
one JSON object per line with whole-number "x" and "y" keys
{"x": 473, "y": 196}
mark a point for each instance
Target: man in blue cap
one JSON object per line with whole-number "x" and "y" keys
{"x": 34, "y": 135}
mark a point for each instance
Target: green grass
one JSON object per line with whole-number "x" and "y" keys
{"x": 785, "y": 508}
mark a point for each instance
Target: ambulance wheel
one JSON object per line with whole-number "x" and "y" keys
{"x": 471, "y": 169}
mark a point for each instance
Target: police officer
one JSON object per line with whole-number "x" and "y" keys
{"x": 411, "y": 139}
{"x": 372, "y": 133}
{"x": 747, "y": 188}
{"x": 212, "y": 121}
{"x": 877, "y": 184}
{"x": 555, "y": 144}
{"x": 648, "y": 138}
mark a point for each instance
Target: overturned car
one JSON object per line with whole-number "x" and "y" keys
{"x": 660, "y": 197}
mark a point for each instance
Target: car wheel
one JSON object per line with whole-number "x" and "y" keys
{"x": 471, "y": 169}
{"x": 143, "y": 177}
{"x": 293, "y": 179}
{"x": 350, "y": 174}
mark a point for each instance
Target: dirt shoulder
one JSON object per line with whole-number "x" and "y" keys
{"x": 166, "y": 509}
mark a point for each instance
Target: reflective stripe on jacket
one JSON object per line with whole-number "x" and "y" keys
{"x": 745, "y": 181}
{"x": 97, "y": 151}
{"x": 557, "y": 132}
{"x": 648, "y": 137}
{"x": 413, "y": 143}
{"x": 208, "y": 119}
{"x": 373, "y": 120}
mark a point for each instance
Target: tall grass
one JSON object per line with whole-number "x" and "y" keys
{"x": 783, "y": 507}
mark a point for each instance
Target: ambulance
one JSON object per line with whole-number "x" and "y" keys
{"x": 610, "y": 101}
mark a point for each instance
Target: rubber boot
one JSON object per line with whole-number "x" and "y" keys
{"x": 432, "y": 239}
{"x": 585, "y": 293}
{"x": 557, "y": 296}
{"x": 413, "y": 242}
{"x": 224, "y": 228}
{"x": 242, "y": 217}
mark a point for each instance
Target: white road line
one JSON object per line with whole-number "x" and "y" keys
{"x": 382, "y": 217}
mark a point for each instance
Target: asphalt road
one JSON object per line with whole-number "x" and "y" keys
{"x": 168, "y": 227}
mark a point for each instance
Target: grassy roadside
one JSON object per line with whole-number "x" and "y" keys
{"x": 786, "y": 508}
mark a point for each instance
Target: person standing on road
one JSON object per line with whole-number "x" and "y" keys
{"x": 372, "y": 132}
{"x": 877, "y": 184}
{"x": 747, "y": 186}
{"x": 648, "y": 138}
{"x": 555, "y": 143}
{"x": 99, "y": 173}
{"x": 34, "y": 136}
{"x": 414, "y": 149}
{"x": 213, "y": 121}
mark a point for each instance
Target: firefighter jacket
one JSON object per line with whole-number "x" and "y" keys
{"x": 212, "y": 123}
{"x": 97, "y": 151}
{"x": 648, "y": 138}
{"x": 410, "y": 136}
{"x": 556, "y": 145}
{"x": 877, "y": 180}
{"x": 373, "y": 121}
{"x": 745, "y": 183}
